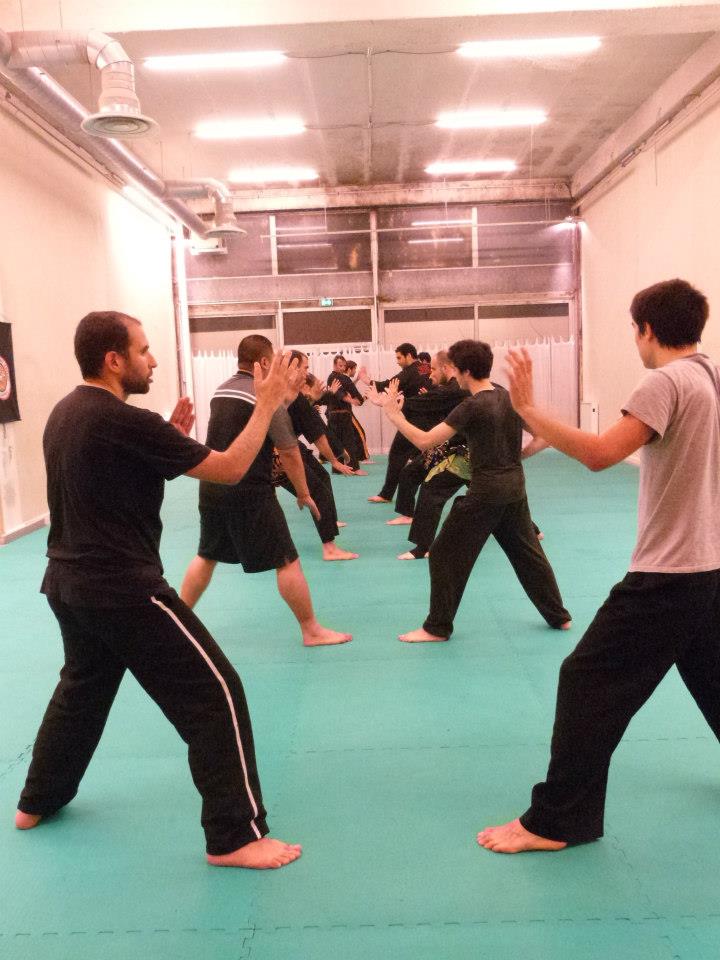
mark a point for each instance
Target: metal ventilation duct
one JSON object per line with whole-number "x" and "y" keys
{"x": 225, "y": 223}
{"x": 119, "y": 113}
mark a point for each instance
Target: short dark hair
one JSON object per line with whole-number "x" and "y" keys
{"x": 407, "y": 348}
{"x": 424, "y": 356}
{"x": 675, "y": 310}
{"x": 253, "y": 348}
{"x": 338, "y": 356}
{"x": 472, "y": 356}
{"x": 310, "y": 379}
{"x": 350, "y": 363}
{"x": 98, "y": 333}
{"x": 297, "y": 355}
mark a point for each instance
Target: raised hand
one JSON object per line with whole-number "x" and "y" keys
{"x": 182, "y": 417}
{"x": 519, "y": 368}
{"x": 375, "y": 397}
{"x": 281, "y": 374}
{"x": 308, "y": 502}
{"x": 334, "y": 386}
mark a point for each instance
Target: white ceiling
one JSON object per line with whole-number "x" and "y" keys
{"x": 369, "y": 91}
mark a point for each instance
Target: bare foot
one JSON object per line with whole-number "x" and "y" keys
{"x": 341, "y": 524}
{"x": 399, "y": 521}
{"x": 420, "y": 636}
{"x": 512, "y": 837}
{"x": 318, "y": 636}
{"x": 369, "y": 462}
{"x": 541, "y": 535}
{"x": 360, "y": 473}
{"x": 26, "y": 821}
{"x": 409, "y": 555}
{"x": 265, "y": 854}
{"x": 566, "y": 625}
{"x": 377, "y": 500}
{"x": 332, "y": 552}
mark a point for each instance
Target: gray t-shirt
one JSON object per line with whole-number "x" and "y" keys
{"x": 679, "y": 497}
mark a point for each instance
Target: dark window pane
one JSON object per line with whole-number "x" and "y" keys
{"x": 327, "y": 326}
{"x": 332, "y": 241}
{"x": 424, "y": 237}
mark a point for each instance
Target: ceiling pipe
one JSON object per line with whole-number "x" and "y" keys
{"x": 225, "y": 224}
{"x": 67, "y": 115}
{"x": 119, "y": 114}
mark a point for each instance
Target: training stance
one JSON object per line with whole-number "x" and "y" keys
{"x": 245, "y": 523}
{"x": 666, "y": 610}
{"x": 107, "y": 463}
{"x": 495, "y": 504}
{"x": 307, "y": 422}
{"x": 363, "y": 453}
{"x": 342, "y": 395}
{"x": 410, "y": 382}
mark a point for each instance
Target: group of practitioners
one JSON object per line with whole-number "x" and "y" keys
{"x": 107, "y": 462}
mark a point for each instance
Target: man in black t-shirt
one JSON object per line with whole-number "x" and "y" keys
{"x": 244, "y": 523}
{"x": 107, "y": 463}
{"x": 495, "y": 504}
{"x": 342, "y": 395}
{"x": 307, "y": 422}
{"x": 410, "y": 381}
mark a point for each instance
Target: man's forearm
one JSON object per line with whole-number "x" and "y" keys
{"x": 325, "y": 449}
{"x": 294, "y": 467}
{"x": 231, "y": 465}
{"x": 581, "y": 446}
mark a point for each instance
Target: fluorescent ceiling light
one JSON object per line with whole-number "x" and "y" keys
{"x": 240, "y": 60}
{"x": 550, "y": 47}
{"x": 438, "y": 223}
{"x": 480, "y": 119}
{"x": 471, "y": 166}
{"x": 250, "y": 128}
{"x": 273, "y": 175}
{"x": 441, "y": 240}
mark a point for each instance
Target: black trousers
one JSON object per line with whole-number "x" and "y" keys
{"x": 453, "y": 554}
{"x": 411, "y": 476}
{"x": 401, "y": 450}
{"x": 320, "y": 487}
{"x": 176, "y": 661}
{"x": 342, "y": 426}
{"x": 649, "y": 622}
{"x": 434, "y": 494}
{"x": 360, "y": 439}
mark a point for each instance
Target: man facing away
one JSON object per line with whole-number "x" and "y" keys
{"x": 107, "y": 463}
{"x": 666, "y": 610}
{"x": 244, "y": 523}
{"x": 496, "y": 503}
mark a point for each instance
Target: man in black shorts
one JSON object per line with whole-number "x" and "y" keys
{"x": 245, "y": 523}
{"x": 107, "y": 463}
{"x": 495, "y": 503}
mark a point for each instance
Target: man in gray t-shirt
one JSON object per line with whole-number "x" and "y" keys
{"x": 665, "y": 611}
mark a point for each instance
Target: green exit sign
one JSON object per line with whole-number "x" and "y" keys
{"x": 326, "y": 301}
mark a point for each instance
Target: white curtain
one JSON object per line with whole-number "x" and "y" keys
{"x": 554, "y": 366}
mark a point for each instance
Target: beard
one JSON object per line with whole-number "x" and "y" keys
{"x": 135, "y": 384}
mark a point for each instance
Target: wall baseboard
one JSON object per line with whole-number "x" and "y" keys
{"x": 24, "y": 529}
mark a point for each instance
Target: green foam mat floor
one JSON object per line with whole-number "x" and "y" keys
{"x": 382, "y": 759}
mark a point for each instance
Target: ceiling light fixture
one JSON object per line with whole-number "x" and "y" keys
{"x": 273, "y": 175}
{"x": 485, "y": 119}
{"x": 241, "y": 60}
{"x": 302, "y": 246}
{"x": 470, "y": 166}
{"x": 549, "y": 47}
{"x": 249, "y": 129}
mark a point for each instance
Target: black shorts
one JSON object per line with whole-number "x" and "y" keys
{"x": 251, "y": 530}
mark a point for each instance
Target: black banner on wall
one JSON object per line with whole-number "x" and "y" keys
{"x": 9, "y": 409}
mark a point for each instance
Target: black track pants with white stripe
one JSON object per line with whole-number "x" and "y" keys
{"x": 176, "y": 661}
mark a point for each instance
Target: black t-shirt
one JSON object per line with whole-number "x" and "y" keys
{"x": 494, "y": 434}
{"x": 107, "y": 463}
{"x": 306, "y": 421}
{"x": 338, "y": 402}
{"x": 231, "y": 407}
{"x": 410, "y": 380}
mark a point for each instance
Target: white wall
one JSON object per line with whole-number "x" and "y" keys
{"x": 657, "y": 221}
{"x": 68, "y": 244}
